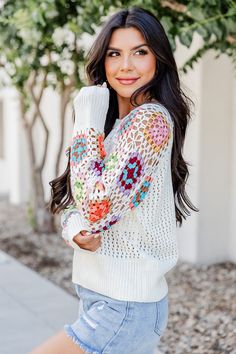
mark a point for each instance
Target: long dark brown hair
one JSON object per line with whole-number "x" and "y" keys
{"x": 164, "y": 88}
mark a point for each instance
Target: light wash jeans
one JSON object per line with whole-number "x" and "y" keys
{"x": 109, "y": 326}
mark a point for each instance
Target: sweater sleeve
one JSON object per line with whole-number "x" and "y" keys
{"x": 72, "y": 223}
{"x": 107, "y": 187}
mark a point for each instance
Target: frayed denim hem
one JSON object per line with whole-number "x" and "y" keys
{"x": 71, "y": 334}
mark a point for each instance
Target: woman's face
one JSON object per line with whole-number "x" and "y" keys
{"x": 129, "y": 58}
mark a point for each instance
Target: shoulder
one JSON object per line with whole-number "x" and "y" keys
{"x": 149, "y": 122}
{"x": 154, "y": 108}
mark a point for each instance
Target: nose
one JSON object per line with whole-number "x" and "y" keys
{"x": 126, "y": 63}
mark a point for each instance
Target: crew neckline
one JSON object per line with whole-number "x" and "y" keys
{"x": 152, "y": 102}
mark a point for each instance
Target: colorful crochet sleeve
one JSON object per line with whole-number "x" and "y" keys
{"x": 106, "y": 187}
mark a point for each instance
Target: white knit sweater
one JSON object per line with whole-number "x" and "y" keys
{"x": 135, "y": 211}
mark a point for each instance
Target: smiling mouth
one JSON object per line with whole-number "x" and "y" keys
{"x": 127, "y": 81}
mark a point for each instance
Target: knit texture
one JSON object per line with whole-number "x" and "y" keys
{"x": 122, "y": 189}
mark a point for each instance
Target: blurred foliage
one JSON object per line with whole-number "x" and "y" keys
{"x": 213, "y": 20}
{"x": 30, "y": 216}
{"x": 46, "y": 35}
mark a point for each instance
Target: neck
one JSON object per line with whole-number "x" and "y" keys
{"x": 125, "y": 106}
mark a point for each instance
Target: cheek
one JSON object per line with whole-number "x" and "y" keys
{"x": 110, "y": 68}
{"x": 147, "y": 66}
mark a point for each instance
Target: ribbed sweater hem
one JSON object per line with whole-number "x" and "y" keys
{"x": 139, "y": 280}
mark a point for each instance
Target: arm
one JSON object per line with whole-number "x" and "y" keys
{"x": 105, "y": 188}
{"x": 72, "y": 223}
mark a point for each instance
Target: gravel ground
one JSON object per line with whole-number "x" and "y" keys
{"x": 202, "y": 301}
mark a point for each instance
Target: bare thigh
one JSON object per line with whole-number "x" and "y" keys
{"x": 58, "y": 344}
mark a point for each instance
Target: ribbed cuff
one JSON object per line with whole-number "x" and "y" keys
{"x": 91, "y": 108}
{"x": 74, "y": 225}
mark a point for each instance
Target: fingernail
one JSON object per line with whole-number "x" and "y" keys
{"x": 96, "y": 236}
{"x": 84, "y": 233}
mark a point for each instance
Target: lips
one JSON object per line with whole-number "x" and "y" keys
{"x": 127, "y": 81}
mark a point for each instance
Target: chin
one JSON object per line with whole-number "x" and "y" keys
{"x": 124, "y": 96}
{"x": 125, "y": 93}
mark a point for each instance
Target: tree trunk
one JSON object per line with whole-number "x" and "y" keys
{"x": 64, "y": 100}
{"x": 44, "y": 220}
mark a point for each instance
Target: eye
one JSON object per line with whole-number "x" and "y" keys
{"x": 110, "y": 54}
{"x": 142, "y": 51}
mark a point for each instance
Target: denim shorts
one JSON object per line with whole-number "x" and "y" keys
{"x": 109, "y": 326}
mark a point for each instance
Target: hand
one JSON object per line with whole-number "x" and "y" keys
{"x": 90, "y": 106}
{"x": 87, "y": 241}
{"x": 103, "y": 85}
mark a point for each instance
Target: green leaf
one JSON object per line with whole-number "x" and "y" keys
{"x": 217, "y": 30}
{"x": 186, "y": 38}
{"x": 196, "y": 13}
{"x": 166, "y": 23}
{"x": 230, "y": 26}
{"x": 203, "y": 32}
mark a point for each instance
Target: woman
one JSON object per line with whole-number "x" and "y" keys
{"x": 118, "y": 194}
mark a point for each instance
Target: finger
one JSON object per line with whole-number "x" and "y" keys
{"x": 93, "y": 247}
{"x": 93, "y": 244}
{"x": 94, "y": 241}
{"x": 85, "y": 239}
{"x": 85, "y": 234}
{"x": 91, "y": 237}
{"x": 83, "y": 244}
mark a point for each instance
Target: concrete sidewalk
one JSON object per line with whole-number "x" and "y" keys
{"x": 31, "y": 308}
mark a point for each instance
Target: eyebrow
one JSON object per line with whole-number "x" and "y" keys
{"x": 138, "y": 46}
